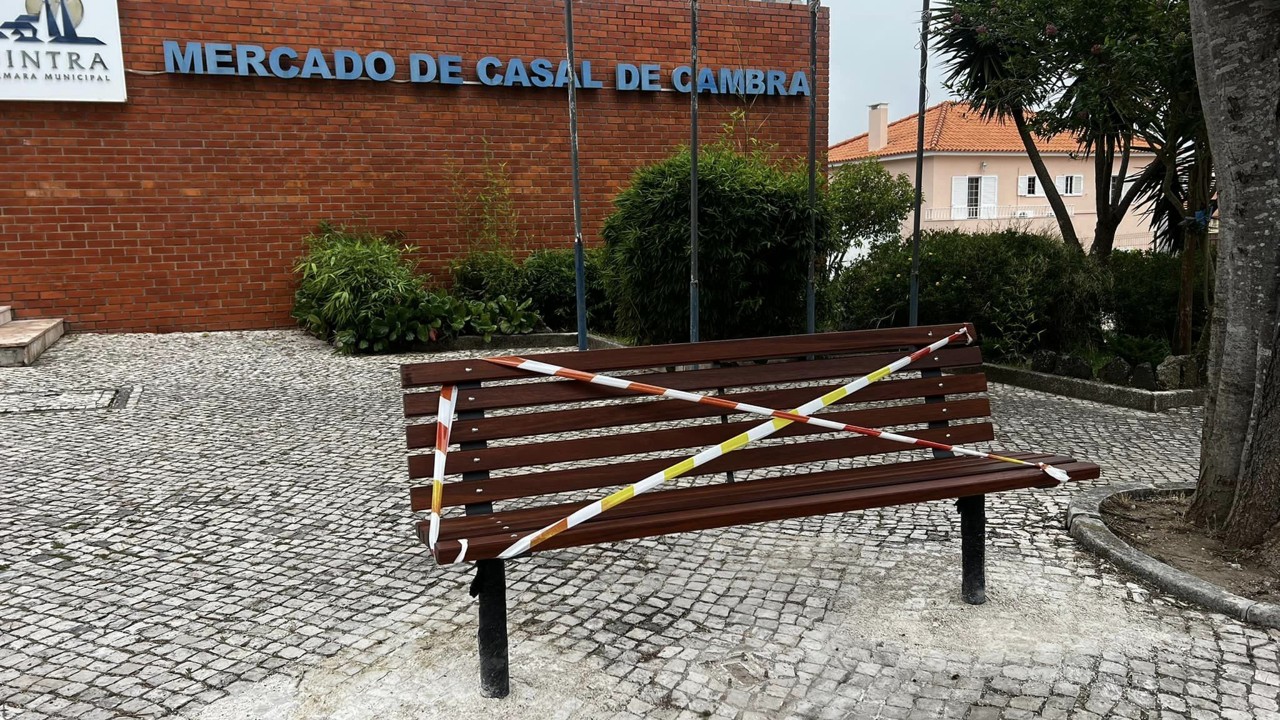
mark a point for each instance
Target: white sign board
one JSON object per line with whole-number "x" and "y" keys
{"x": 61, "y": 50}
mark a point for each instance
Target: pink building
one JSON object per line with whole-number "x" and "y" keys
{"x": 977, "y": 174}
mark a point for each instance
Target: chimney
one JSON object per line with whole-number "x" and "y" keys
{"x": 878, "y": 127}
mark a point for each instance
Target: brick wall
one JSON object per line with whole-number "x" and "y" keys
{"x": 184, "y": 208}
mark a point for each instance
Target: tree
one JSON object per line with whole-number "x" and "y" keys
{"x": 867, "y": 203}
{"x": 754, "y": 243}
{"x": 1178, "y": 191}
{"x": 1238, "y": 63}
{"x": 1086, "y": 68}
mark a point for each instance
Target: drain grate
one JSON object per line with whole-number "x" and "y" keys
{"x": 69, "y": 400}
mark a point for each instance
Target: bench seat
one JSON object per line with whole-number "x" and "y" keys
{"x": 757, "y": 501}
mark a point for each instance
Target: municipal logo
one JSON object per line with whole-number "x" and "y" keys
{"x": 61, "y": 50}
{"x": 61, "y": 17}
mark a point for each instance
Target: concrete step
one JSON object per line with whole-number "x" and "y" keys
{"x": 22, "y": 341}
{"x": 6, "y": 314}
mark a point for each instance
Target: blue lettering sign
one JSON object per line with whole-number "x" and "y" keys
{"x": 562, "y": 75}
{"x": 627, "y": 77}
{"x": 217, "y": 59}
{"x": 485, "y": 66}
{"x": 250, "y": 57}
{"x": 190, "y": 60}
{"x": 248, "y": 60}
{"x": 516, "y": 74}
{"x": 451, "y": 69}
{"x": 543, "y": 76}
{"x": 380, "y": 66}
{"x": 587, "y": 82}
{"x": 649, "y": 78}
{"x": 707, "y": 80}
{"x": 422, "y": 68}
{"x": 315, "y": 64}
{"x": 799, "y": 84}
{"x": 280, "y": 69}
{"x": 732, "y": 81}
{"x": 680, "y": 78}
{"x": 347, "y": 65}
{"x": 776, "y": 79}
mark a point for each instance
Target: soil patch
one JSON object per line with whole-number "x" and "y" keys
{"x": 1156, "y": 526}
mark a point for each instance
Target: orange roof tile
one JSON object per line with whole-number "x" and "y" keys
{"x": 948, "y": 127}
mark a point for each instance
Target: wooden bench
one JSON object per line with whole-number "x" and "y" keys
{"x": 533, "y": 451}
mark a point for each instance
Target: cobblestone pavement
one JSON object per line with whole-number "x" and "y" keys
{"x": 233, "y": 542}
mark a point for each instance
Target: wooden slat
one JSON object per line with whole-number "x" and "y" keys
{"x": 697, "y": 436}
{"x": 599, "y": 476}
{"x": 458, "y": 371}
{"x": 566, "y": 391}
{"x": 559, "y": 421}
{"x": 532, "y": 519}
{"x": 772, "y": 510}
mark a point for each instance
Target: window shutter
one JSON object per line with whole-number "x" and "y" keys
{"x": 959, "y": 197}
{"x": 1078, "y": 188}
{"x": 1060, "y": 182}
{"x": 1024, "y": 186}
{"x": 989, "y": 197}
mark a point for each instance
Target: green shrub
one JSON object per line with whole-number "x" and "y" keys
{"x": 753, "y": 256}
{"x": 551, "y": 282}
{"x": 1136, "y": 350}
{"x": 488, "y": 274}
{"x": 359, "y": 291}
{"x": 1021, "y": 290}
{"x": 499, "y": 316}
{"x": 1144, "y": 297}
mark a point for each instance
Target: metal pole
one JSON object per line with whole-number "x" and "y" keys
{"x": 693, "y": 173}
{"x": 491, "y": 632}
{"x": 579, "y": 252}
{"x": 915, "y": 232}
{"x": 811, "y": 319}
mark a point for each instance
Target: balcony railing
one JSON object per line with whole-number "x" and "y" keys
{"x": 999, "y": 212}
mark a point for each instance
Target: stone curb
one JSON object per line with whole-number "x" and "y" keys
{"x": 531, "y": 341}
{"x": 1148, "y": 400}
{"x": 1084, "y": 522}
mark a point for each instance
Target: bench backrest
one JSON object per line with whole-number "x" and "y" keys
{"x": 523, "y": 436}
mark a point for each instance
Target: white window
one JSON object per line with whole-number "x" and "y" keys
{"x": 1029, "y": 186}
{"x": 1124, "y": 188}
{"x": 1071, "y": 185}
{"x": 973, "y": 197}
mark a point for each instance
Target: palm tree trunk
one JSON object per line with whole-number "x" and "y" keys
{"x": 1104, "y": 231}
{"x": 1065, "y": 224}
{"x": 1238, "y": 67}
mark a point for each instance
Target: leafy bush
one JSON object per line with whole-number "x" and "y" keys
{"x": 753, "y": 253}
{"x": 1136, "y": 350}
{"x": 1020, "y": 289}
{"x": 499, "y": 316}
{"x": 551, "y": 282}
{"x": 488, "y": 274}
{"x": 359, "y": 291}
{"x": 1144, "y": 297}
{"x": 868, "y": 202}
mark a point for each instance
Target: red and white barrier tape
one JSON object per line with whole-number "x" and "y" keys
{"x": 712, "y": 452}
{"x": 444, "y": 427}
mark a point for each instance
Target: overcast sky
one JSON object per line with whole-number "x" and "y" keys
{"x": 875, "y": 57}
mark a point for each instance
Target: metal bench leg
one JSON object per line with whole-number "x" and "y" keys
{"x": 973, "y": 532}
{"x": 490, "y": 586}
